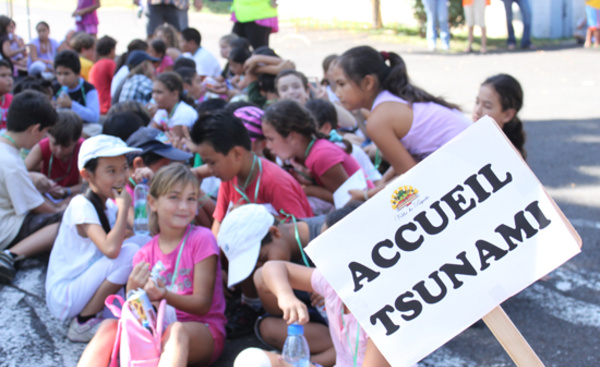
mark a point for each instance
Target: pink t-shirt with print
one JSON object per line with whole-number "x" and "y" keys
{"x": 324, "y": 154}
{"x": 200, "y": 245}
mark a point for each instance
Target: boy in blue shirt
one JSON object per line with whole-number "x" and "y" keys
{"x": 74, "y": 93}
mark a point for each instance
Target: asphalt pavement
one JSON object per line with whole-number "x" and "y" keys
{"x": 559, "y": 316}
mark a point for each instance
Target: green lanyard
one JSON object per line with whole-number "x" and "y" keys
{"x": 179, "y": 257}
{"x": 9, "y": 138}
{"x": 173, "y": 111}
{"x": 63, "y": 176}
{"x": 296, "y": 234}
{"x": 241, "y": 190}
{"x": 355, "y": 352}
{"x": 309, "y": 147}
{"x": 132, "y": 181}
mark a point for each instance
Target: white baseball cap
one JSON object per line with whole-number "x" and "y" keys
{"x": 102, "y": 146}
{"x": 240, "y": 236}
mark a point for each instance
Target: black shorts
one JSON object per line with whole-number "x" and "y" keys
{"x": 161, "y": 13}
{"x": 33, "y": 222}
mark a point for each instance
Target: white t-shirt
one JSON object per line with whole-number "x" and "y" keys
{"x": 184, "y": 114}
{"x": 206, "y": 63}
{"x": 118, "y": 78}
{"x": 72, "y": 254}
{"x": 18, "y": 195}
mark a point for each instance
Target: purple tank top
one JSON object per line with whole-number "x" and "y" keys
{"x": 433, "y": 125}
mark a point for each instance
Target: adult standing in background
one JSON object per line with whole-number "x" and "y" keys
{"x": 437, "y": 17}
{"x": 526, "y": 18}
{"x": 255, "y": 20}
{"x": 174, "y": 12}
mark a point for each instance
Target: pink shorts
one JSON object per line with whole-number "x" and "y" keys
{"x": 218, "y": 342}
{"x": 87, "y": 28}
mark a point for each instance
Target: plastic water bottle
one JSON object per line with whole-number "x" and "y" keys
{"x": 295, "y": 349}
{"x": 140, "y": 219}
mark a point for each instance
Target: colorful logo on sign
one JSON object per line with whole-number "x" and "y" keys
{"x": 403, "y": 196}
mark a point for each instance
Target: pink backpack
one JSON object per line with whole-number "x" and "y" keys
{"x": 136, "y": 345}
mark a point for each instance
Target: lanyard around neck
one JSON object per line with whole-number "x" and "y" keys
{"x": 173, "y": 111}
{"x": 9, "y": 138}
{"x": 355, "y": 351}
{"x": 309, "y": 147}
{"x": 63, "y": 176}
{"x": 241, "y": 190}
{"x": 296, "y": 235}
{"x": 175, "y": 271}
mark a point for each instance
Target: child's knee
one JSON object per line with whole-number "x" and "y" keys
{"x": 252, "y": 357}
{"x": 258, "y": 280}
{"x": 175, "y": 333}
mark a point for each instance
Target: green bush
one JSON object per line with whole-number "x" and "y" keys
{"x": 456, "y": 15}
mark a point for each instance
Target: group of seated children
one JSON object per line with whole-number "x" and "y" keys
{"x": 253, "y": 156}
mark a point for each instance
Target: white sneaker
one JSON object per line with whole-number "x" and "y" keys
{"x": 83, "y": 333}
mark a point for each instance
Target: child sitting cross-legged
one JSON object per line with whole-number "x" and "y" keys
{"x": 91, "y": 258}
{"x": 190, "y": 282}
{"x": 56, "y": 156}
{"x": 276, "y": 282}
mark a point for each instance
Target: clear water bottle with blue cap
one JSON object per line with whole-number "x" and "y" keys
{"x": 295, "y": 349}
{"x": 140, "y": 219}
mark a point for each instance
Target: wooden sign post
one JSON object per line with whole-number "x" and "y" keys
{"x": 443, "y": 245}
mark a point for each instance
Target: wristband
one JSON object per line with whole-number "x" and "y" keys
{"x": 366, "y": 194}
{"x": 67, "y": 193}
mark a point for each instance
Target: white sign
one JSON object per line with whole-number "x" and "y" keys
{"x": 356, "y": 182}
{"x": 443, "y": 244}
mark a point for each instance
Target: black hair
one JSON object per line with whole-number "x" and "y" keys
{"x": 105, "y": 45}
{"x": 288, "y": 115}
{"x": 68, "y": 59}
{"x": 265, "y": 50}
{"x": 210, "y": 106}
{"x": 323, "y": 111}
{"x": 6, "y": 64}
{"x": 136, "y": 44}
{"x": 184, "y": 62}
{"x": 187, "y": 74}
{"x": 268, "y": 238}
{"x": 358, "y": 62}
{"x": 335, "y": 216}
{"x": 192, "y": 34}
{"x": 159, "y": 46}
{"x": 82, "y": 41}
{"x": 32, "y": 82}
{"x": 122, "y": 124}
{"x": 42, "y": 23}
{"x": 511, "y": 96}
{"x": 150, "y": 158}
{"x": 29, "y": 108}
{"x": 4, "y": 23}
{"x": 266, "y": 83}
{"x": 67, "y": 128}
{"x": 222, "y": 130}
{"x": 287, "y": 72}
{"x": 91, "y": 166}
{"x": 173, "y": 82}
{"x": 239, "y": 55}
{"x": 240, "y": 42}
{"x": 131, "y": 106}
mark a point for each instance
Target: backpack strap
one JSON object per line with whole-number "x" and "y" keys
{"x": 109, "y": 303}
{"x": 116, "y": 310}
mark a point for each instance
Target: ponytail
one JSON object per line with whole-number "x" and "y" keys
{"x": 95, "y": 199}
{"x": 358, "y": 62}
{"x": 516, "y": 134}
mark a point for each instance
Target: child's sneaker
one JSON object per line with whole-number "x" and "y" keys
{"x": 83, "y": 333}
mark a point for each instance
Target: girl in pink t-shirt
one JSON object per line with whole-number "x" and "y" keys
{"x": 189, "y": 277}
{"x": 322, "y": 166}
{"x": 187, "y": 274}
